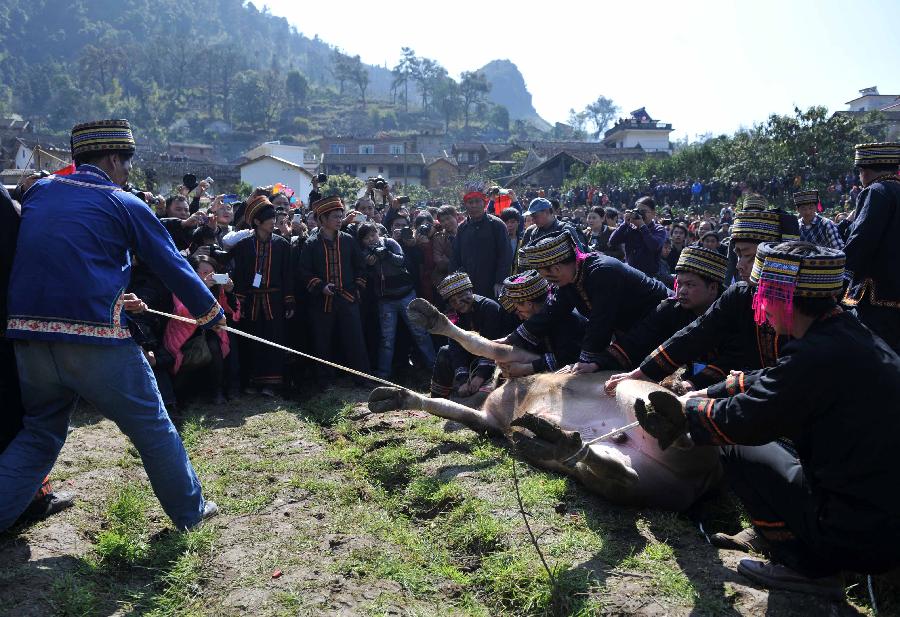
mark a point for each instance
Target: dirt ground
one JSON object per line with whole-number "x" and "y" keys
{"x": 327, "y": 509}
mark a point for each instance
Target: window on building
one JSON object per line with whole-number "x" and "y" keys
{"x": 396, "y": 149}
{"x": 476, "y": 156}
{"x": 348, "y": 169}
{"x": 367, "y": 149}
{"x": 381, "y": 170}
{"x": 337, "y": 149}
{"x": 362, "y": 169}
{"x": 463, "y": 157}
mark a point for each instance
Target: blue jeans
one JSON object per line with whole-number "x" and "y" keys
{"x": 388, "y": 310}
{"x": 120, "y": 383}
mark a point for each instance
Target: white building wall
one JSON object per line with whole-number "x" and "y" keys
{"x": 650, "y": 141}
{"x": 294, "y": 154}
{"x": 266, "y": 171}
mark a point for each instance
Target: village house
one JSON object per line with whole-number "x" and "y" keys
{"x": 639, "y": 130}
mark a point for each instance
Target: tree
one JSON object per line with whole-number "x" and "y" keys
{"x": 473, "y": 86}
{"x": 425, "y": 73}
{"x": 341, "y": 70}
{"x": 297, "y": 87}
{"x": 601, "y": 113}
{"x": 577, "y": 121}
{"x": 250, "y": 96}
{"x": 403, "y": 72}
{"x": 359, "y": 75}
{"x": 448, "y": 101}
{"x": 344, "y": 186}
{"x": 500, "y": 118}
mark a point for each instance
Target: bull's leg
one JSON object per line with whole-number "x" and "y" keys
{"x": 424, "y": 314}
{"x": 595, "y": 465}
{"x": 388, "y": 399}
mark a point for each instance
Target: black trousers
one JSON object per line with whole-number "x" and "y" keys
{"x": 802, "y": 527}
{"x": 883, "y": 321}
{"x": 442, "y": 377}
{"x": 10, "y": 395}
{"x": 344, "y": 321}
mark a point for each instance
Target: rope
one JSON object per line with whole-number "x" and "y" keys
{"x": 287, "y": 349}
{"x": 350, "y": 370}
{"x": 606, "y": 436}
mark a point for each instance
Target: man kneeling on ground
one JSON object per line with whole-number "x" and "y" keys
{"x": 833, "y": 392}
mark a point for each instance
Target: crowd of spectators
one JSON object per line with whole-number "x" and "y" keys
{"x": 400, "y": 251}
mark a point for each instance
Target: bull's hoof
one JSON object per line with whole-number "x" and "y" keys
{"x": 388, "y": 399}
{"x": 662, "y": 416}
{"x": 424, "y": 314}
{"x": 566, "y": 443}
{"x": 532, "y": 448}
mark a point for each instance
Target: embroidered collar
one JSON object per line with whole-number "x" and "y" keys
{"x": 94, "y": 171}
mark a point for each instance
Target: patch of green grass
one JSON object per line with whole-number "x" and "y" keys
{"x": 575, "y": 541}
{"x": 471, "y": 532}
{"x": 486, "y": 450}
{"x": 521, "y": 585}
{"x": 72, "y": 596}
{"x": 543, "y": 489}
{"x": 657, "y": 559}
{"x": 125, "y": 537}
{"x": 426, "y": 497}
{"x": 380, "y": 563}
{"x": 326, "y": 410}
{"x": 390, "y": 466}
{"x": 182, "y": 560}
{"x": 194, "y": 430}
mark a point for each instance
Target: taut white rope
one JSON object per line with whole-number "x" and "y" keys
{"x": 347, "y": 369}
{"x": 287, "y": 349}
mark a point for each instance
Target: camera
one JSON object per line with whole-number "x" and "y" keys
{"x": 635, "y": 213}
{"x": 378, "y": 183}
{"x": 140, "y": 194}
{"x": 321, "y": 178}
{"x": 424, "y": 229}
{"x": 402, "y": 199}
{"x": 406, "y": 233}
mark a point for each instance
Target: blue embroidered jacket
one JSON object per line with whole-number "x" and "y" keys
{"x": 72, "y": 261}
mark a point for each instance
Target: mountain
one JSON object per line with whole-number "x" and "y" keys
{"x": 202, "y": 70}
{"x": 508, "y": 89}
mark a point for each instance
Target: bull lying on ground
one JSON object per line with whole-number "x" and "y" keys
{"x": 559, "y": 412}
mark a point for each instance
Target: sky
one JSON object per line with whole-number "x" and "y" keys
{"x": 704, "y": 66}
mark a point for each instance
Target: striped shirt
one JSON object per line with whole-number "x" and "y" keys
{"x": 822, "y": 232}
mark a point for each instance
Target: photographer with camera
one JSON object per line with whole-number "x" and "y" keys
{"x": 395, "y": 290}
{"x": 189, "y": 184}
{"x": 317, "y": 181}
{"x": 642, "y": 236}
{"x": 180, "y": 223}
{"x": 442, "y": 244}
{"x": 420, "y": 254}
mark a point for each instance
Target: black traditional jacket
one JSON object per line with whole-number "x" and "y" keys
{"x": 560, "y": 346}
{"x": 325, "y": 261}
{"x": 728, "y": 331}
{"x": 489, "y": 320}
{"x": 272, "y": 261}
{"x": 611, "y": 294}
{"x": 834, "y": 394}
{"x": 632, "y": 346}
{"x": 873, "y": 247}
